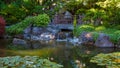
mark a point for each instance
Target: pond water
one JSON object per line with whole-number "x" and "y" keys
{"x": 70, "y": 56}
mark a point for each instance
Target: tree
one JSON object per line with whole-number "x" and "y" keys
{"x": 112, "y": 8}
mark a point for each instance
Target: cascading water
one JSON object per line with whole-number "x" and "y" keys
{"x": 62, "y": 36}
{"x": 65, "y": 35}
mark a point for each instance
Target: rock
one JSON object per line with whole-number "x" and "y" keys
{"x": 19, "y": 42}
{"x": 103, "y": 41}
{"x": 74, "y": 40}
{"x": 53, "y": 30}
{"x": 33, "y": 30}
{"x": 37, "y": 30}
{"x": 34, "y": 45}
{"x": 61, "y": 35}
{"x": 20, "y": 36}
{"x": 68, "y": 15}
{"x": 47, "y": 36}
{"x": 43, "y": 36}
{"x": 27, "y": 30}
{"x": 40, "y": 33}
{"x": 7, "y": 36}
{"x": 86, "y": 38}
{"x": 35, "y": 38}
{"x": 27, "y": 36}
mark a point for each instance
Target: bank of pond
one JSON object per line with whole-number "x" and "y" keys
{"x": 57, "y": 54}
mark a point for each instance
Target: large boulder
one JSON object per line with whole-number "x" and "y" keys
{"x": 21, "y": 43}
{"x": 62, "y": 35}
{"x": 20, "y": 36}
{"x": 43, "y": 36}
{"x": 40, "y": 33}
{"x": 103, "y": 41}
{"x": 47, "y": 36}
{"x": 17, "y": 41}
{"x": 86, "y": 38}
{"x": 74, "y": 41}
{"x": 37, "y": 30}
{"x": 27, "y": 30}
{"x": 33, "y": 30}
{"x": 52, "y": 30}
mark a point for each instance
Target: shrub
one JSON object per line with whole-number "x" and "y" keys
{"x": 27, "y": 62}
{"x": 2, "y": 25}
{"x": 41, "y": 20}
{"x": 19, "y": 27}
{"x": 100, "y": 28}
{"x": 95, "y": 35}
{"x": 84, "y": 28}
{"x": 13, "y": 13}
{"x": 17, "y": 10}
{"x": 114, "y": 34}
{"x": 117, "y": 27}
{"x": 87, "y": 27}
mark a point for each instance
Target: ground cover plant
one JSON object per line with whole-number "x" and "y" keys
{"x": 40, "y": 20}
{"x": 111, "y": 60}
{"x": 27, "y": 62}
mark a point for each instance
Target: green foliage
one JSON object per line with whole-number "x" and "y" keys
{"x": 41, "y": 20}
{"x": 97, "y": 12}
{"x": 37, "y": 9}
{"x": 27, "y": 62}
{"x": 117, "y": 27}
{"x": 2, "y": 4}
{"x": 87, "y": 27}
{"x": 13, "y": 13}
{"x": 96, "y": 16}
{"x": 100, "y": 28}
{"x": 95, "y": 35}
{"x": 73, "y": 5}
{"x": 19, "y": 27}
{"x": 84, "y": 28}
{"x": 17, "y": 10}
{"x": 114, "y": 34}
{"x": 112, "y": 8}
{"x": 75, "y": 26}
{"x": 80, "y": 11}
{"x": 111, "y": 60}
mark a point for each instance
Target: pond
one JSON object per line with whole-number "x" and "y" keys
{"x": 67, "y": 54}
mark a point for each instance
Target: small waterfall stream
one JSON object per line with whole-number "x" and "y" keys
{"x": 64, "y": 35}
{"x": 67, "y": 36}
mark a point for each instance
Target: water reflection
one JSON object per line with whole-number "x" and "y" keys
{"x": 61, "y": 52}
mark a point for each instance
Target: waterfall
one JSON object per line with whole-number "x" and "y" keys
{"x": 62, "y": 36}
